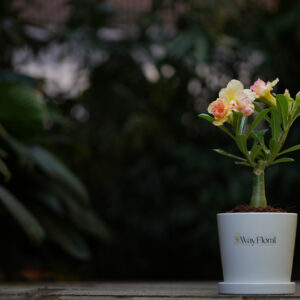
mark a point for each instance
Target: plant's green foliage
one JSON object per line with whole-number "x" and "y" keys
{"x": 259, "y": 135}
{"x": 275, "y": 124}
{"x": 243, "y": 163}
{"x": 260, "y": 116}
{"x": 291, "y": 149}
{"x": 243, "y": 124}
{"x": 255, "y": 151}
{"x": 237, "y": 121}
{"x": 220, "y": 151}
{"x": 296, "y": 108}
{"x": 206, "y": 117}
{"x": 283, "y": 160}
{"x": 297, "y": 101}
{"x": 283, "y": 108}
{"x": 274, "y": 145}
{"x": 259, "y": 109}
{"x": 241, "y": 141}
{"x": 27, "y": 221}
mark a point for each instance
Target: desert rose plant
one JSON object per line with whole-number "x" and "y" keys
{"x": 239, "y": 111}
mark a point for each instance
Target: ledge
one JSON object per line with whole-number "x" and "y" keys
{"x": 123, "y": 290}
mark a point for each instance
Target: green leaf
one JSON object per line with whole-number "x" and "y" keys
{"x": 257, "y": 119}
{"x": 206, "y": 117}
{"x": 236, "y": 122}
{"x": 220, "y": 151}
{"x": 275, "y": 124}
{"x": 291, "y": 149}
{"x": 58, "y": 171}
{"x": 283, "y": 160}
{"x": 274, "y": 145}
{"x": 241, "y": 141}
{"x": 296, "y": 107}
{"x": 296, "y": 114}
{"x": 259, "y": 109}
{"x": 27, "y": 221}
{"x": 243, "y": 163}
{"x": 243, "y": 124}
{"x": 255, "y": 151}
{"x": 283, "y": 108}
{"x": 21, "y": 111}
{"x": 222, "y": 127}
{"x": 259, "y": 135}
{"x": 4, "y": 170}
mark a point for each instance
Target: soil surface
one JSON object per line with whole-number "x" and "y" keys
{"x": 248, "y": 208}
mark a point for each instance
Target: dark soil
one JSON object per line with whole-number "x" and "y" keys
{"x": 247, "y": 208}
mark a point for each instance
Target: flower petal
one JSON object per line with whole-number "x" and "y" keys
{"x": 251, "y": 95}
{"x": 235, "y": 85}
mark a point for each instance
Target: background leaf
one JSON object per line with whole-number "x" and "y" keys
{"x": 57, "y": 170}
{"x": 27, "y": 221}
{"x": 21, "y": 110}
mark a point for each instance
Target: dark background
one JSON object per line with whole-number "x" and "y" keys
{"x": 122, "y": 83}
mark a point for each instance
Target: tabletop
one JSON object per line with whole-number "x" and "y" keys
{"x": 123, "y": 291}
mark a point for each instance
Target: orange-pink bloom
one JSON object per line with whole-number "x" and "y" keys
{"x": 221, "y": 110}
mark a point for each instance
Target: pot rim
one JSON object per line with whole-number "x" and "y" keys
{"x": 257, "y": 213}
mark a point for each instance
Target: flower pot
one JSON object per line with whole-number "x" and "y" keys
{"x": 257, "y": 252}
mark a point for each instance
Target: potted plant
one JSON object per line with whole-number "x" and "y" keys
{"x": 256, "y": 241}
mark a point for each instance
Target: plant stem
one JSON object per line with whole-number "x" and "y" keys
{"x": 258, "y": 190}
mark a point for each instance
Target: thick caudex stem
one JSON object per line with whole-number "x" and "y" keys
{"x": 258, "y": 198}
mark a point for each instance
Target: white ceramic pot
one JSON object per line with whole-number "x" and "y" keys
{"x": 257, "y": 252}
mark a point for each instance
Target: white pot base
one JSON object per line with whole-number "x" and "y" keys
{"x": 256, "y": 288}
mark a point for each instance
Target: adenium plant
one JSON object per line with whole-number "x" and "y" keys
{"x": 260, "y": 148}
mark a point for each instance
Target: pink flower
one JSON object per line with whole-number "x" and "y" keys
{"x": 243, "y": 102}
{"x": 261, "y": 88}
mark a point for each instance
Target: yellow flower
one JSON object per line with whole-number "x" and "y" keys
{"x": 239, "y": 98}
{"x": 221, "y": 110}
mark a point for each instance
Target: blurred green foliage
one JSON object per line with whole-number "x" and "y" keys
{"x": 142, "y": 152}
{"x": 47, "y": 201}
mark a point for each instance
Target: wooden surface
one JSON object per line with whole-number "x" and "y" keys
{"x": 122, "y": 291}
